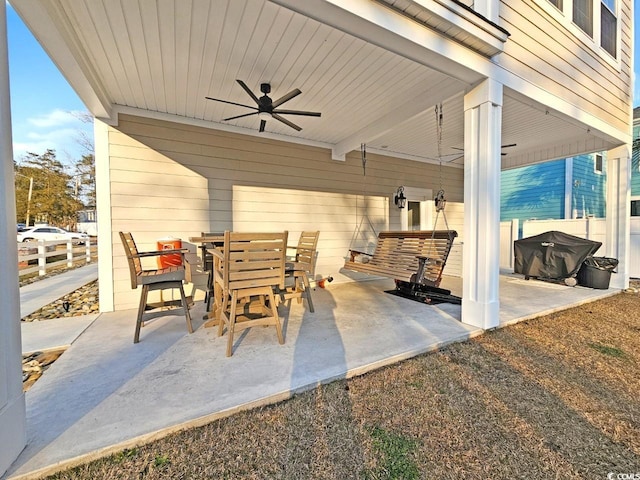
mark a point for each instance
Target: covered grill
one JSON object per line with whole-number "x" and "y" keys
{"x": 552, "y": 255}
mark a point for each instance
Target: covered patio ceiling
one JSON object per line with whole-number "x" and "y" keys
{"x": 162, "y": 59}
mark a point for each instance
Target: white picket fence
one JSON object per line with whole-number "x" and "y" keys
{"x": 590, "y": 228}
{"x": 44, "y": 251}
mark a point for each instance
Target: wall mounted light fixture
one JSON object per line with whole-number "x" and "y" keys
{"x": 400, "y": 200}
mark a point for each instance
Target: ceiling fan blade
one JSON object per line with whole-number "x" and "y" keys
{"x": 262, "y": 125}
{"x": 231, "y": 103}
{"x": 239, "y": 116}
{"x": 298, "y": 112}
{"x": 246, "y": 89}
{"x": 286, "y": 98}
{"x": 286, "y": 122}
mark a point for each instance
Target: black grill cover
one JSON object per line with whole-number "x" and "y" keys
{"x": 552, "y": 255}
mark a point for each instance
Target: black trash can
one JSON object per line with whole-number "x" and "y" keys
{"x": 595, "y": 272}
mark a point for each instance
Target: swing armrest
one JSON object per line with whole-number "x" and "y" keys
{"x": 354, "y": 253}
{"x": 430, "y": 259}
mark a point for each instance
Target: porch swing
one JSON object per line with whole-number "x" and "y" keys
{"x": 414, "y": 259}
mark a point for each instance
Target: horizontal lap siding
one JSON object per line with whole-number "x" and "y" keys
{"x": 544, "y": 52}
{"x": 589, "y": 188}
{"x": 534, "y": 191}
{"x": 171, "y": 179}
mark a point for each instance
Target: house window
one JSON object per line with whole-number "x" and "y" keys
{"x": 608, "y": 26}
{"x": 556, "y": 3}
{"x": 598, "y": 163}
{"x": 635, "y": 208}
{"x": 583, "y": 15}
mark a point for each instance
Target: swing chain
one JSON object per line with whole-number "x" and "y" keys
{"x": 363, "y": 153}
{"x": 439, "y": 119}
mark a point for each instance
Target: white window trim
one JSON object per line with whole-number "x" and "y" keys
{"x": 596, "y": 171}
{"x": 565, "y": 18}
{"x": 633, "y": 199}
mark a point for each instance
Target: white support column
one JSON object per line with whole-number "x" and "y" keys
{"x": 618, "y": 212}
{"x": 568, "y": 188}
{"x": 489, "y": 9}
{"x": 481, "y": 251}
{"x": 106, "y": 235}
{"x": 12, "y": 405}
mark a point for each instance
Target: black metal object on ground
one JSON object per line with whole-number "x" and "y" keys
{"x": 595, "y": 272}
{"x": 424, "y": 293}
{"x": 552, "y": 255}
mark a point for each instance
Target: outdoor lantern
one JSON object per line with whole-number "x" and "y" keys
{"x": 400, "y": 200}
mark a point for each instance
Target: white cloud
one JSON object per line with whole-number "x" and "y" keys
{"x": 57, "y": 129}
{"x": 55, "y": 118}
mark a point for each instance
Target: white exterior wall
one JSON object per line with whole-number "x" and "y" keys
{"x": 168, "y": 179}
{"x": 548, "y": 51}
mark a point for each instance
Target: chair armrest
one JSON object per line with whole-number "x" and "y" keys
{"x": 354, "y": 253}
{"x": 216, "y": 252}
{"x": 434, "y": 260}
{"x": 157, "y": 253}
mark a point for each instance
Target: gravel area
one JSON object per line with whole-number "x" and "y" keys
{"x": 83, "y": 301}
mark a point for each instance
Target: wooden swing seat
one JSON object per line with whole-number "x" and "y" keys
{"x": 417, "y": 257}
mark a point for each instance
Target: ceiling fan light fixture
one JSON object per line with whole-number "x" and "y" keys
{"x": 264, "y": 115}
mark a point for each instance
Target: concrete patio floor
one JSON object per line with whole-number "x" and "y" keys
{"x": 105, "y": 393}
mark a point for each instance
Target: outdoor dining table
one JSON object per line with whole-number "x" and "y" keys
{"x": 209, "y": 243}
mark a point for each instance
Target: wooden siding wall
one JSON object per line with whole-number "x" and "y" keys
{"x": 170, "y": 179}
{"x": 589, "y": 194}
{"x": 635, "y": 161}
{"x": 546, "y": 53}
{"x": 534, "y": 191}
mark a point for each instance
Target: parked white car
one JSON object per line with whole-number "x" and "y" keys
{"x": 50, "y": 233}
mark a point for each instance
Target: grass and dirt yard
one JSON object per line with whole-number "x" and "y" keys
{"x": 556, "y": 397}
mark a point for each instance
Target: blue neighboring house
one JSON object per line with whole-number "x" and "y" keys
{"x": 635, "y": 165}
{"x": 568, "y": 188}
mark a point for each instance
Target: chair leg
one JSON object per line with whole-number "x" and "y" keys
{"x": 274, "y": 308}
{"x": 307, "y": 291}
{"x": 299, "y": 287}
{"x": 232, "y": 322}
{"x": 141, "y": 309}
{"x": 185, "y": 306}
{"x": 209, "y": 294}
{"x": 220, "y": 311}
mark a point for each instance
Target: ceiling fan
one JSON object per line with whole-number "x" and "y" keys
{"x": 502, "y": 146}
{"x": 267, "y": 108}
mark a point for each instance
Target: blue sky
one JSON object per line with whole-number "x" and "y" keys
{"x": 44, "y": 106}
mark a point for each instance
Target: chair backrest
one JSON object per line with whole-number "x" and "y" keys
{"x": 208, "y": 259}
{"x": 307, "y": 249}
{"x": 253, "y": 260}
{"x": 130, "y": 249}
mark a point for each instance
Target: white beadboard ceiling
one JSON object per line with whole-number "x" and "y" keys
{"x": 163, "y": 57}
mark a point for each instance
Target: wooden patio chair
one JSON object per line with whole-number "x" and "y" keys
{"x": 156, "y": 279}
{"x": 248, "y": 266}
{"x": 300, "y": 267}
{"x": 207, "y": 260}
